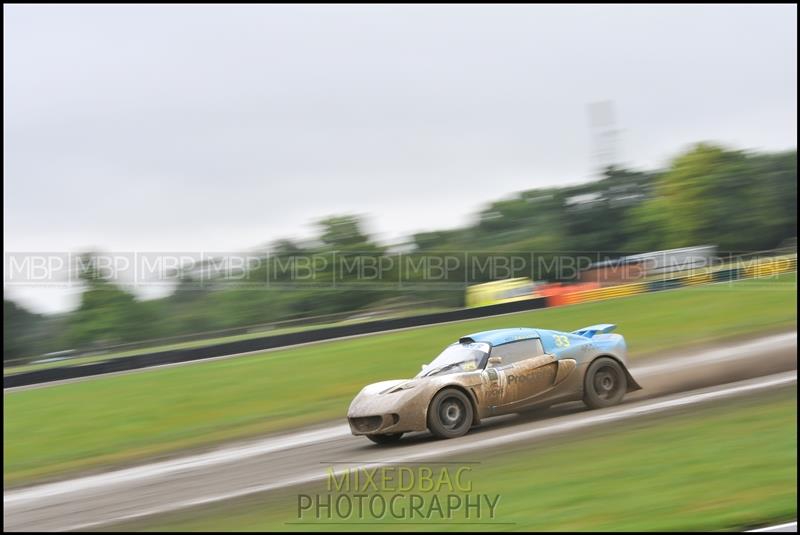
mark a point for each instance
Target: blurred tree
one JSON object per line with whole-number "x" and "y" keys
{"x": 19, "y": 331}
{"x": 286, "y": 247}
{"x": 597, "y": 216}
{"x": 343, "y": 232}
{"x": 720, "y": 197}
{"x": 107, "y": 314}
{"x": 775, "y": 176}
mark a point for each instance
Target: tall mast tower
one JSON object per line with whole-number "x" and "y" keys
{"x": 603, "y": 126}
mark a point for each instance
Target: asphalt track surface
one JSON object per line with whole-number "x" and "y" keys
{"x": 279, "y": 461}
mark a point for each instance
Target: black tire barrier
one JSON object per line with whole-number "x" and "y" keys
{"x": 726, "y": 275}
{"x": 669, "y": 284}
{"x": 147, "y": 360}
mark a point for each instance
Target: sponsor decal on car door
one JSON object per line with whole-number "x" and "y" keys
{"x": 527, "y": 379}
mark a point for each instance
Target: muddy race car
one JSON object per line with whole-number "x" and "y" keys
{"x": 496, "y": 372}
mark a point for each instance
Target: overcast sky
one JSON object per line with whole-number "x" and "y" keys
{"x": 158, "y": 128}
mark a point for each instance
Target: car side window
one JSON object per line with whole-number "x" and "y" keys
{"x": 516, "y": 351}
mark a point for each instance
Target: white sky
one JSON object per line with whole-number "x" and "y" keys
{"x": 162, "y": 128}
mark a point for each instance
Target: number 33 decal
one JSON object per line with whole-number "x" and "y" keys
{"x": 561, "y": 340}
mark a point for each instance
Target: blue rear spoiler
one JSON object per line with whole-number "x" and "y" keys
{"x": 592, "y": 330}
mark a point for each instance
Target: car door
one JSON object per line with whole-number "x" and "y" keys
{"x": 525, "y": 371}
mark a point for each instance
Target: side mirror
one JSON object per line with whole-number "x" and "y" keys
{"x": 495, "y": 360}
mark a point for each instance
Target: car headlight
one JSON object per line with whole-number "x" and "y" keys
{"x": 400, "y": 388}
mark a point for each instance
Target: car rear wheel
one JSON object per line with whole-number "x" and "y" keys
{"x": 450, "y": 414}
{"x": 605, "y": 383}
{"x": 389, "y": 438}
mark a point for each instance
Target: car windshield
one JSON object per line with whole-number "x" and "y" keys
{"x": 458, "y": 358}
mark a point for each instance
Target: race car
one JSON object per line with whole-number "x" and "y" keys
{"x": 496, "y": 372}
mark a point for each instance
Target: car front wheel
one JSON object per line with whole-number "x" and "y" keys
{"x": 450, "y": 414}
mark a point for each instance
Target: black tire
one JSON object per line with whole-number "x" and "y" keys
{"x": 390, "y": 438}
{"x": 450, "y": 414}
{"x": 604, "y": 384}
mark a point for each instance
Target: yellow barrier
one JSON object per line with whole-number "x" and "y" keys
{"x": 500, "y": 291}
{"x": 610, "y": 292}
{"x": 773, "y": 266}
{"x": 699, "y": 278}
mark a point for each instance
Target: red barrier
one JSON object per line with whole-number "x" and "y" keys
{"x": 556, "y": 292}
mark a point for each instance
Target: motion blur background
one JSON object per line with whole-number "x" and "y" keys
{"x": 359, "y": 163}
{"x": 377, "y": 129}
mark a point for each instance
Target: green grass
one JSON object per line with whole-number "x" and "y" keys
{"x": 121, "y": 419}
{"x": 730, "y": 466}
{"x": 79, "y": 361}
